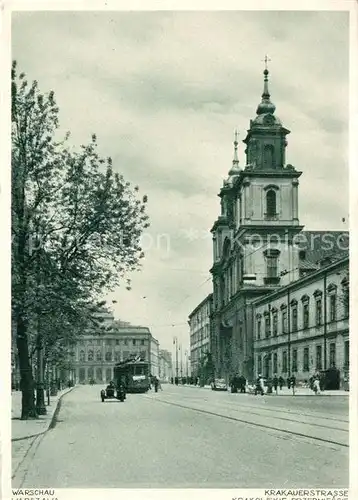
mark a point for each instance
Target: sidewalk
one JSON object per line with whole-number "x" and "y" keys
{"x": 24, "y": 429}
{"x": 299, "y": 391}
{"x": 24, "y": 432}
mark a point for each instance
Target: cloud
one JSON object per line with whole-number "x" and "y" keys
{"x": 164, "y": 91}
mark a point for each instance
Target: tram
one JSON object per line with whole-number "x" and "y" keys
{"x": 134, "y": 373}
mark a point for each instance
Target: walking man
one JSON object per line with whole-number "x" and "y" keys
{"x": 293, "y": 384}
{"x": 275, "y": 382}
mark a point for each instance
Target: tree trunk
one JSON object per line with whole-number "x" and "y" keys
{"x": 40, "y": 386}
{"x": 28, "y": 410}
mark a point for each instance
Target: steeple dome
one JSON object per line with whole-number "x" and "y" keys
{"x": 266, "y": 106}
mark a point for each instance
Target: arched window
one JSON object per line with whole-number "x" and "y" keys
{"x": 108, "y": 356}
{"x": 99, "y": 356}
{"x": 269, "y": 156}
{"x": 82, "y": 355}
{"x": 90, "y": 355}
{"x": 271, "y": 203}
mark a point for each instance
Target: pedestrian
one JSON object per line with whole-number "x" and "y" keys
{"x": 234, "y": 384}
{"x": 281, "y": 382}
{"x": 288, "y": 383}
{"x": 157, "y": 384}
{"x": 243, "y": 384}
{"x": 316, "y": 386}
{"x": 275, "y": 382}
{"x": 293, "y": 384}
{"x": 260, "y": 387}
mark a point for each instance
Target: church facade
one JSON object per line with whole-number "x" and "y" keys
{"x": 257, "y": 239}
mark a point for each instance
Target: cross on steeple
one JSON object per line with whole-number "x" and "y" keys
{"x": 266, "y": 60}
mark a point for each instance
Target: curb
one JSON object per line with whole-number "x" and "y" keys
{"x": 52, "y": 423}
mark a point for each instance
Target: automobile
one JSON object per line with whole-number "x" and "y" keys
{"x": 113, "y": 393}
{"x": 219, "y": 384}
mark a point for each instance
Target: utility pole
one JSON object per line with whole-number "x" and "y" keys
{"x": 181, "y": 362}
{"x": 175, "y": 341}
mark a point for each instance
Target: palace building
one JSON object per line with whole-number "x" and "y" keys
{"x": 96, "y": 354}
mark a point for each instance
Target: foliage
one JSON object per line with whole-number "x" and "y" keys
{"x": 76, "y": 227}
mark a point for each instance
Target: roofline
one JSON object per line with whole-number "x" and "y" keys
{"x": 207, "y": 298}
{"x": 297, "y": 284}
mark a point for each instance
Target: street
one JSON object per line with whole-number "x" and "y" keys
{"x": 185, "y": 437}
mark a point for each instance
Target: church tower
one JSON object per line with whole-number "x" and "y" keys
{"x": 253, "y": 237}
{"x": 266, "y": 192}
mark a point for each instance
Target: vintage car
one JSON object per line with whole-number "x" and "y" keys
{"x": 219, "y": 384}
{"x": 113, "y": 392}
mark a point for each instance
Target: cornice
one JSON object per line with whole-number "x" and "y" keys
{"x": 279, "y": 172}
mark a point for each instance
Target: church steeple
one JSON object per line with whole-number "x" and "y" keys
{"x": 235, "y": 169}
{"x": 266, "y": 106}
{"x": 266, "y": 137}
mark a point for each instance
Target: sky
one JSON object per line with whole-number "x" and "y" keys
{"x": 164, "y": 92}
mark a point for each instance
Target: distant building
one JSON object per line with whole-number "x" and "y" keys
{"x": 303, "y": 328}
{"x": 199, "y": 323}
{"x": 165, "y": 365}
{"x": 96, "y": 353}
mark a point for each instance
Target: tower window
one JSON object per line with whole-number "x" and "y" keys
{"x": 302, "y": 255}
{"x": 271, "y": 266}
{"x": 269, "y": 156}
{"x": 270, "y": 204}
{"x": 271, "y": 256}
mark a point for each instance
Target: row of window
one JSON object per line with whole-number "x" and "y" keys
{"x": 200, "y": 336}
{"x": 109, "y": 356}
{"x": 202, "y": 315}
{"x": 337, "y": 306}
{"x": 198, "y": 353}
{"x": 264, "y": 362}
{"x": 108, "y": 342}
{"x": 95, "y": 374}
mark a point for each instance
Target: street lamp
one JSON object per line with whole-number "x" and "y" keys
{"x": 175, "y": 342}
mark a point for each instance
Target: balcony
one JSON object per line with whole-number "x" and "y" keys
{"x": 272, "y": 280}
{"x": 271, "y": 216}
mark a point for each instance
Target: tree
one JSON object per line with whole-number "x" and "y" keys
{"x": 76, "y": 228}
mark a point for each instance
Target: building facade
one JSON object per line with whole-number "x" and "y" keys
{"x": 95, "y": 354}
{"x": 259, "y": 245}
{"x": 303, "y": 328}
{"x": 165, "y": 365}
{"x": 200, "y": 334}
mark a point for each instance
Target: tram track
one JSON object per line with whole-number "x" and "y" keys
{"x": 281, "y": 409}
{"x": 277, "y": 416}
{"x": 261, "y": 425}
